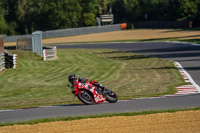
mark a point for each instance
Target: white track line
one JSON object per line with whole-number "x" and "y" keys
{"x": 187, "y": 77}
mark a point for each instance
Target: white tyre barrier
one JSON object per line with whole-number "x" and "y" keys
{"x": 50, "y": 53}
{"x": 14, "y": 61}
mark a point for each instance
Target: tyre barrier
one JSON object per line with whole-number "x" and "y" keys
{"x": 49, "y": 53}
{"x": 14, "y": 61}
{"x": 2, "y": 62}
{"x": 10, "y": 60}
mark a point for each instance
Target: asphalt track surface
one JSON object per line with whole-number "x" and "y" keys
{"x": 187, "y": 55}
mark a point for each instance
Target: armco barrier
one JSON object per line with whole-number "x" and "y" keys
{"x": 14, "y": 38}
{"x": 80, "y": 31}
{"x": 49, "y": 53}
{"x": 70, "y": 32}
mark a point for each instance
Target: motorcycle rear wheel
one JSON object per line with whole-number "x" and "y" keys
{"x": 85, "y": 97}
{"x": 111, "y": 97}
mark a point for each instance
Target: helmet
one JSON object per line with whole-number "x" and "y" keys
{"x": 71, "y": 78}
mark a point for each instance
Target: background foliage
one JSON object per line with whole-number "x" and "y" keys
{"x": 26, "y": 16}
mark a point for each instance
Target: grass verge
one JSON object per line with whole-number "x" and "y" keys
{"x": 37, "y": 83}
{"x": 31, "y": 122}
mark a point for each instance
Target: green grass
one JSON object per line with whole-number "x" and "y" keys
{"x": 37, "y": 83}
{"x": 32, "y": 122}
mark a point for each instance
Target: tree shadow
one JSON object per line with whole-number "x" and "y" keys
{"x": 182, "y": 30}
{"x": 176, "y": 55}
{"x": 10, "y": 47}
{"x": 174, "y": 38}
{"x": 111, "y": 52}
{"x": 130, "y": 57}
{"x": 162, "y": 68}
{"x": 66, "y": 105}
{"x": 192, "y": 68}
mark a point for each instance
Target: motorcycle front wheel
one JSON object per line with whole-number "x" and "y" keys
{"x": 85, "y": 97}
{"x": 111, "y": 97}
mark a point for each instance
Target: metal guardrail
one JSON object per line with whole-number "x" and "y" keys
{"x": 70, "y": 32}
{"x": 80, "y": 31}
{"x": 14, "y": 38}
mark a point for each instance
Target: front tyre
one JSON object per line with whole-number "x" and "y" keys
{"x": 85, "y": 97}
{"x": 111, "y": 97}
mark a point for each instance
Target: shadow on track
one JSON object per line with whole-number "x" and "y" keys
{"x": 67, "y": 105}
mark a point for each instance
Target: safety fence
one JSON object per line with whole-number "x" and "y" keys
{"x": 49, "y": 53}
{"x": 24, "y": 43}
{"x": 33, "y": 43}
{"x": 81, "y": 31}
{"x": 70, "y": 32}
{"x": 2, "y": 58}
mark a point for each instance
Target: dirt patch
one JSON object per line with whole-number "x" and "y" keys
{"x": 184, "y": 122}
{"x": 128, "y": 35}
{"x": 138, "y": 34}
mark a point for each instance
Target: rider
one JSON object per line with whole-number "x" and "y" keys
{"x": 73, "y": 80}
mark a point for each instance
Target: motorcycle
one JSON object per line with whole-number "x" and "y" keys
{"x": 89, "y": 93}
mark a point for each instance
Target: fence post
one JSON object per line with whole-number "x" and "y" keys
{"x": 37, "y": 43}
{"x": 2, "y": 56}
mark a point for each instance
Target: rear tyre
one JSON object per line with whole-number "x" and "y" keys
{"x": 85, "y": 97}
{"x": 111, "y": 97}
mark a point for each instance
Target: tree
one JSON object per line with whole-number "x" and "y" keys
{"x": 89, "y": 12}
{"x": 188, "y": 8}
{"x": 59, "y": 14}
{"x": 3, "y": 24}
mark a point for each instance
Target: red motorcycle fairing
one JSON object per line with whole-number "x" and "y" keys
{"x": 98, "y": 98}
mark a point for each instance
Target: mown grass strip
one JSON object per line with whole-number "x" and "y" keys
{"x": 37, "y": 83}
{"x": 71, "y": 118}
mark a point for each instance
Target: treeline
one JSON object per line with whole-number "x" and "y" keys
{"x": 156, "y": 10}
{"x": 26, "y": 16}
